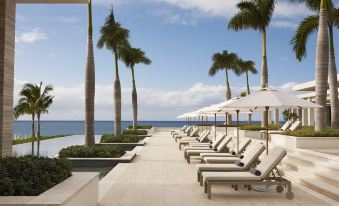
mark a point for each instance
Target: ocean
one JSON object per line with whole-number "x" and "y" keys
{"x": 48, "y": 128}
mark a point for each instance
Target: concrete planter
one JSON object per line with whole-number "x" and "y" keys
{"x": 248, "y": 133}
{"x": 79, "y": 189}
{"x": 126, "y": 146}
{"x": 102, "y": 162}
{"x": 305, "y": 142}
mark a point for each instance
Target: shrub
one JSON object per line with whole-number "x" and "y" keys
{"x": 31, "y": 176}
{"x": 257, "y": 127}
{"x": 142, "y": 126}
{"x": 126, "y": 138}
{"x": 308, "y": 131}
{"x": 94, "y": 151}
{"x": 135, "y": 132}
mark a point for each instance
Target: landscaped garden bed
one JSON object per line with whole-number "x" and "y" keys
{"x": 80, "y": 151}
{"x": 31, "y": 176}
{"x": 143, "y": 126}
{"x": 308, "y": 131}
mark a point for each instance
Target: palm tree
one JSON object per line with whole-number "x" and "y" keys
{"x": 44, "y": 101}
{"x": 27, "y": 105}
{"x": 246, "y": 67}
{"x": 224, "y": 61}
{"x": 114, "y": 38}
{"x": 130, "y": 57}
{"x": 308, "y": 26}
{"x": 257, "y": 15}
{"x": 89, "y": 83}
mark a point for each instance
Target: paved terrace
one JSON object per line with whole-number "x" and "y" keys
{"x": 160, "y": 176}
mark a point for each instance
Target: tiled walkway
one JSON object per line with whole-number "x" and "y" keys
{"x": 160, "y": 176}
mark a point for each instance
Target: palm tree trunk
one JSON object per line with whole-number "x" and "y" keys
{"x": 321, "y": 68}
{"x": 117, "y": 99}
{"x": 333, "y": 83}
{"x": 228, "y": 94}
{"x": 33, "y": 133}
{"x": 248, "y": 93}
{"x": 264, "y": 71}
{"x": 134, "y": 101}
{"x": 38, "y": 136}
{"x": 89, "y": 84}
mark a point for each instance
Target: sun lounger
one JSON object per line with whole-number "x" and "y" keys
{"x": 186, "y": 131}
{"x": 293, "y": 126}
{"x": 182, "y": 129}
{"x": 203, "y": 146}
{"x": 193, "y": 133}
{"x": 251, "y": 155}
{"x": 200, "y": 139}
{"x": 220, "y": 148}
{"x": 266, "y": 173}
{"x": 242, "y": 147}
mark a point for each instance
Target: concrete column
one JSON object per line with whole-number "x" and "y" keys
{"x": 311, "y": 117}
{"x": 276, "y": 116}
{"x": 7, "y": 46}
{"x": 270, "y": 117}
{"x": 305, "y": 117}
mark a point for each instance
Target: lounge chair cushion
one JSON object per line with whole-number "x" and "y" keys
{"x": 219, "y": 167}
{"x": 221, "y": 159}
{"x": 271, "y": 160}
{"x": 224, "y": 176}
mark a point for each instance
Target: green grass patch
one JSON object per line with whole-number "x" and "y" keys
{"x": 134, "y": 132}
{"x": 94, "y": 151}
{"x": 257, "y": 127}
{"x": 142, "y": 126}
{"x": 31, "y": 176}
{"x": 125, "y": 138}
{"x": 308, "y": 131}
{"x": 42, "y": 138}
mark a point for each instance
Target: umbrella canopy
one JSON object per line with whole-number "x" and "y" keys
{"x": 266, "y": 99}
{"x": 271, "y": 98}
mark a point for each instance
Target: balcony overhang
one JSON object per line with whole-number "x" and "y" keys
{"x": 308, "y": 86}
{"x": 51, "y": 1}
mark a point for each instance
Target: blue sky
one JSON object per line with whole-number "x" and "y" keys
{"x": 179, "y": 36}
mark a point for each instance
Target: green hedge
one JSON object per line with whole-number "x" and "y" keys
{"x": 308, "y": 131}
{"x": 257, "y": 127}
{"x": 218, "y": 125}
{"x": 95, "y": 151}
{"x": 126, "y": 138}
{"x": 135, "y": 132}
{"x": 31, "y": 176}
{"x": 142, "y": 126}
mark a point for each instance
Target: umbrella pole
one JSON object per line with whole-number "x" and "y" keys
{"x": 215, "y": 126}
{"x": 266, "y": 126}
{"x": 237, "y": 131}
{"x": 226, "y": 122}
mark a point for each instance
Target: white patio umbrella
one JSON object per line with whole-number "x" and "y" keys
{"x": 267, "y": 99}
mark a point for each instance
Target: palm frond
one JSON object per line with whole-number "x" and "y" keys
{"x": 304, "y": 30}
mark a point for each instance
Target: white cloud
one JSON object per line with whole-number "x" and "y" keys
{"x": 31, "y": 36}
{"x": 154, "y": 104}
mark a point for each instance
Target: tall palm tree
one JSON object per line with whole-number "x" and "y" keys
{"x": 308, "y": 26}
{"x": 27, "y": 105}
{"x": 256, "y": 15}
{"x": 244, "y": 67}
{"x": 89, "y": 83}
{"x": 224, "y": 61}
{"x": 44, "y": 101}
{"x": 114, "y": 37}
{"x": 130, "y": 57}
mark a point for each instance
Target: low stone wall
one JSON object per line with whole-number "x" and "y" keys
{"x": 248, "y": 133}
{"x": 305, "y": 142}
{"x": 79, "y": 189}
{"x": 102, "y": 162}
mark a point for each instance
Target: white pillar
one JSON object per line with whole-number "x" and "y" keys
{"x": 305, "y": 117}
{"x": 276, "y": 116}
{"x": 311, "y": 117}
{"x": 270, "y": 117}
